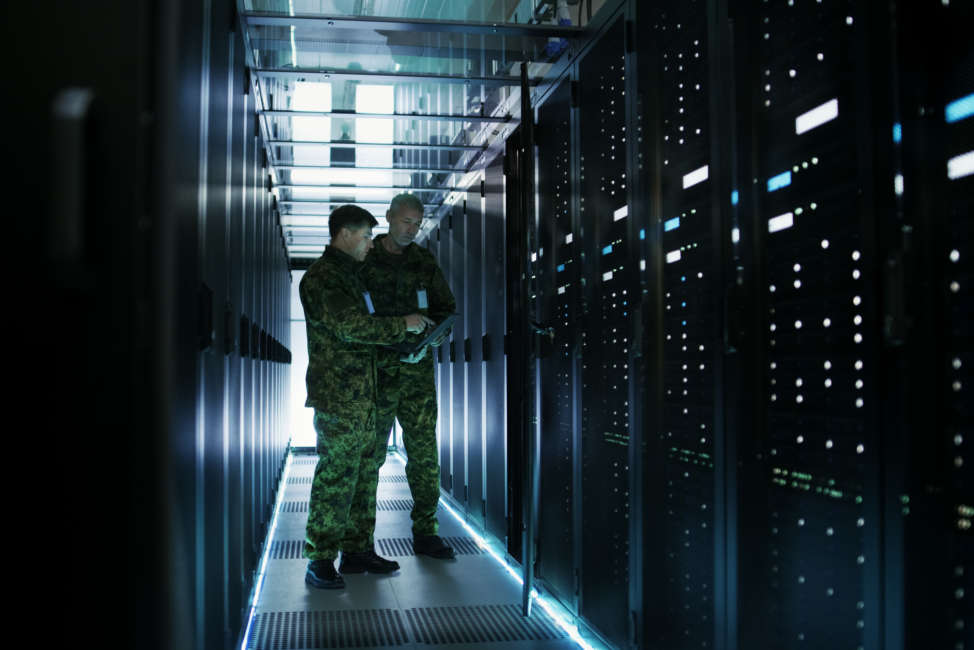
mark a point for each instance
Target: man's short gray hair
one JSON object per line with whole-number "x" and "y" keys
{"x": 407, "y": 201}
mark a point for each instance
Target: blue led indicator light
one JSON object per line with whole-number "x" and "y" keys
{"x": 684, "y": 303}
{"x": 779, "y": 181}
{"x": 684, "y": 322}
{"x": 561, "y": 267}
{"x": 683, "y": 278}
{"x": 961, "y": 108}
{"x": 671, "y": 224}
{"x": 735, "y": 197}
{"x": 607, "y": 249}
{"x": 897, "y": 132}
{"x": 642, "y": 233}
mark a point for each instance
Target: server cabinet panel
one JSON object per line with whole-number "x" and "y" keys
{"x": 445, "y": 395}
{"x": 935, "y": 502}
{"x": 605, "y": 337}
{"x": 689, "y": 284}
{"x": 211, "y": 468}
{"x": 814, "y": 230}
{"x": 458, "y": 276}
{"x": 557, "y": 291}
{"x": 473, "y": 291}
{"x": 495, "y": 404}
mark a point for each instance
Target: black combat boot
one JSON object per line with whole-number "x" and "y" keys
{"x": 366, "y": 561}
{"x": 322, "y": 575}
{"x": 432, "y": 546}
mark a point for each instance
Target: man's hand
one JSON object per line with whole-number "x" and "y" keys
{"x": 416, "y": 323}
{"x": 415, "y": 358}
{"x": 439, "y": 339}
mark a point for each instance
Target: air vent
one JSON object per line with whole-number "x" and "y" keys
{"x": 402, "y": 546}
{"x": 394, "y": 504}
{"x": 300, "y": 480}
{"x": 357, "y": 628}
{"x": 305, "y": 460}
{"x": 480, "y": 624}
{"x": 287, "y": 549}
{"x": 294, "y": 506}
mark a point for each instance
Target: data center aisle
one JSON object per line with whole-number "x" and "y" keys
{"x": 468, "y": 602}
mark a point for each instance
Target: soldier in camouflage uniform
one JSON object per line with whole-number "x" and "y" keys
{"x": 343, "y": 333}
{"x": 403, "y": 277}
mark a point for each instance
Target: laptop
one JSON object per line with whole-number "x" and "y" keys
{"x": 409, "y": 349}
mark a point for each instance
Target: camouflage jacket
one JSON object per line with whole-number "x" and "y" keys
{"x": 342, "y": 336}
{"x": 399, "y": 285}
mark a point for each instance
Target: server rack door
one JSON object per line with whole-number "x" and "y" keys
{"x": 445, "y": 394}
{"x": 233, "y": 450}
{"x": 605, "y": 324}
{"x": 557, "y": 286}
{"x": 458, "y": 274}
{"x": 211, "y": 471}
{"x": 682, "y": 366}
{"x": 517, "y": 340}
{"x": 473, "y": 291}
{"x": 931, "y": 327}
{"x": 495, "y": 403}
{"x": 814, "y": 204}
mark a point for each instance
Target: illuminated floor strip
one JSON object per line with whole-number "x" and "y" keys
{"x": 262, "y": 566}
{"x": 551, "y": 608}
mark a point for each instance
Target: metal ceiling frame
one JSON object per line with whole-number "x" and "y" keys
{"x": 402, "y": 170}
{"x": 338, "y": 202}
{"x": 350, "y": 144}
{"x": 412, "y": 25}
{"x": 393, "y": 116}
{"x": 304, "y": 74}
{"x": 332, "y": 186}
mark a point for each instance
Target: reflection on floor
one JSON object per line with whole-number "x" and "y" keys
{"x": 468, "y": 602}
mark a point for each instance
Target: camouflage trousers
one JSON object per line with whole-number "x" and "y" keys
{"x": 407, "y": 392}
{"x": 341, "y": 512}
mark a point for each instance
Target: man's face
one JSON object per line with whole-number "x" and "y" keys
{"x": 358, "y": 242}
{"x": 404, "y": 224}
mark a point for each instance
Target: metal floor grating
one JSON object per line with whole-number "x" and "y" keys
{"x": 362, "y": 628}
{"x": 389, "y": 505}
{"x": 403, "y": 546}
{"x": 480, "y": 624}
{"x": 287, "y": 549}
{"x": 291, "y": 549}
{"x": 369, "y": 628}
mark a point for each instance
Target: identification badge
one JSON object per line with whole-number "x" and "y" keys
{"x": 368, "y": 302}
{"x": 421, "y": 299}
